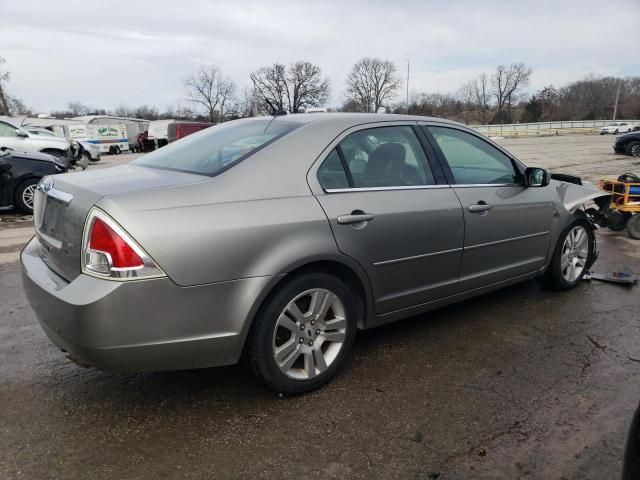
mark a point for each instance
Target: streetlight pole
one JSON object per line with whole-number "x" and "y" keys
{"x": 615, "y": 107}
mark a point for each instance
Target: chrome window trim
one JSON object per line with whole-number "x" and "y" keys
{"x": 381, "y": 189}
{"x": 472, "y": 185}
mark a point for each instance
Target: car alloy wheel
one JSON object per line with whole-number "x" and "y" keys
{"x": 27, "y": 195}
{"x": 575, "y": 252}
{"x": 309, "y": 334}
{"x": 635, "y": 151}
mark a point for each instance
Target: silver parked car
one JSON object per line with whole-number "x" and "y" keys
{"x": 278, "y": 237}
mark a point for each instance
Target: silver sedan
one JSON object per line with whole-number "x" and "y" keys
{"x": 277, "y": 238}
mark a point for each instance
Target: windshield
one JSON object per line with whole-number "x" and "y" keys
{"x": 218, "y": 148}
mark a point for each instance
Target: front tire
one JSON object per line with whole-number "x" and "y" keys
{"x": 303, "y": 334}
{"x": 25, "y": 193}
{"x": 571, "y": 258}
{"x": 633, "y": 226}
{"x": 633, "y": 149}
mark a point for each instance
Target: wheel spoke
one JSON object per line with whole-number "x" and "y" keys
{"x": 334, "y": 336}
{"x": 337, "y": 323}
{"x": 572, "y": 272}
{"x": 285, "y": 350}
{"x": 564, "y": 262}
{"x": 309, "y": 364}
{"x": 321, "y": 300}
{"x": 291, "y": 359}
{"x": 286, "y": 322}
{"x": 295, "y": 312}
{"x": 319, "y": 358}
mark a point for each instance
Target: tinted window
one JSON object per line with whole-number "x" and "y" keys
{"x": 331, "y": 174}
{"x": 472, "y": 160}
{"x": 386, "y": 157}
{"x": 7, "y": 130}
{"x": 217, "y": 148}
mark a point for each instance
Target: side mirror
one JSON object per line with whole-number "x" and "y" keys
{"x": 4, "y": 166}
{"x": 21, "y": 133}
{"x": 536, "y": 177}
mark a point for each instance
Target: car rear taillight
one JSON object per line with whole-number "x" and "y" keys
{"x": 108, "y": 251}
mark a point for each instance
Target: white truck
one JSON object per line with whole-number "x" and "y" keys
{"x": 109, "y": 138}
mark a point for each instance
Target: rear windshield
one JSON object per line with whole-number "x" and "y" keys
{"x": 218, "y": 148}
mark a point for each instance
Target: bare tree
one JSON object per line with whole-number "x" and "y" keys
{"x": 123, "y": 110}
{"x": 467, "y": 95}
{"x": 77, "y": 108}
{"x": 208, "y": 89}
{"x": 371, "y": 82}
{"x": 482, "y": 97}
{"x": 507, "y": 82}
{"x": 292, "y": 88}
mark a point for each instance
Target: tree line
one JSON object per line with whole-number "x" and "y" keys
{"x": 374, "y": 85}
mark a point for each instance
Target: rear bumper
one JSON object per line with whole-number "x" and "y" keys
{"x": 144, "y": 325}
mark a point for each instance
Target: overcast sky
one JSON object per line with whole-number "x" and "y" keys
{"x": 138, "y": 52}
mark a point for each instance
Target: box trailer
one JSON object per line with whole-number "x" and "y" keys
{"x": 109, "y": 138}
{"x": 178, "y": 130}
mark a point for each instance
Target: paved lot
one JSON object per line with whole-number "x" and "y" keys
{"x": 521, "y": 383}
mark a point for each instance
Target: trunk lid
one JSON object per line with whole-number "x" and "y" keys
{"x": 62, "y": 202}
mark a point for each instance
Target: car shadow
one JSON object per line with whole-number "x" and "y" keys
{"x": 237, "y": 385}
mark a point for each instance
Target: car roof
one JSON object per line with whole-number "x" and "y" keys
{"x": 357, "y": 118}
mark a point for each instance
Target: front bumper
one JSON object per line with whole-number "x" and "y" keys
{"x": 618, "y": 148}
{"x": 144, "y": 325}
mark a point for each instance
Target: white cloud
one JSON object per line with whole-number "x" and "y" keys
{"x": 138, "y": 52}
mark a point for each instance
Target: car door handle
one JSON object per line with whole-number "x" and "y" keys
{"x": 480, "y": 207}
{"x": 355, "y": 217}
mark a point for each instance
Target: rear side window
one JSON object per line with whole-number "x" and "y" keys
{"x": 377, "y": 157}
{"x": 472, "y": 160}
{"x": 218, "y": 148}
{"x": 331, "y": 174}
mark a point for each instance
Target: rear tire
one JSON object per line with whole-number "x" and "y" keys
{"x": 24, "y": 194}
{"x": 571, "y": 257}
{"x": 633, "y": 226}
{"x": 117, "y": 150}
{"x": 303, "y": 334}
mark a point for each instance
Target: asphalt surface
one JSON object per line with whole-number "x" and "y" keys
{"x": 520, "y": 383}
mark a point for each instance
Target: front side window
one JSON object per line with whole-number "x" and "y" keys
{"x": 7, "y": 130}
{"x": 472, "y": 160}
{"x": 215, "y": 149}
{"x": 385, "y": 157}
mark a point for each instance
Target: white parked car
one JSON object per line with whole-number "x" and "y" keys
{"x": 20, "y": 140}
{"x": 91, "y": 151}
{"x": 616, "y": 128}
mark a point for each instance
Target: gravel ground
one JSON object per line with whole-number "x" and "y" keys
{"x": 520, "y": 383}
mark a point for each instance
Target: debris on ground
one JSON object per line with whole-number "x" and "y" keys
{"x": 623, "y": 277}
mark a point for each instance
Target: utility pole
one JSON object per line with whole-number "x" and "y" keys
{"x": 407, "y": 84}
{"x": 615, "y": 107}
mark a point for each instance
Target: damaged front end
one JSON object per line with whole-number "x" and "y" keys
{"x": 583, "y": 200}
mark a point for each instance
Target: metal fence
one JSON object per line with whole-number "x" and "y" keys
{"x": 546, "y": 128}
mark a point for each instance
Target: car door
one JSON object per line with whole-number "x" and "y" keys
{"x": 507, "y": 225}
{"x": 389, "y": 212}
